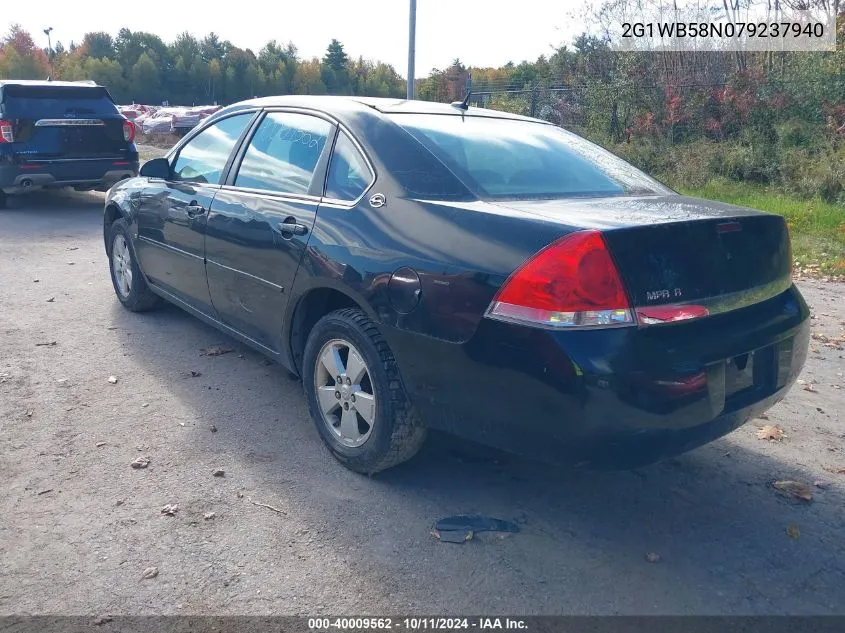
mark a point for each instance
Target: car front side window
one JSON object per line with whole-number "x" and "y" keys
{"x": 284, "y": 152}
{"x": 203, "y": 158}
{"x": 349, "y": 176}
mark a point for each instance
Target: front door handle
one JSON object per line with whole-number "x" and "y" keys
{"x": 194, "y": 209}
{"x": 291, "y": 227}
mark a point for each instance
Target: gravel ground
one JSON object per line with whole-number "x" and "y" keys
{"x": 79, "y": 526}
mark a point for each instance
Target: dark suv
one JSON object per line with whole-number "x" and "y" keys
{"x": 60, "y": 134}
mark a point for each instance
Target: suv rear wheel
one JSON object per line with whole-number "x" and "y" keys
{"x": 355, "y": 394}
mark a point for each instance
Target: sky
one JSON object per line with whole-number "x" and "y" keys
{"x": 481, "y": 33}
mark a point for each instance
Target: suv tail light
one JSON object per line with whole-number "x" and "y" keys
{"x": 7, "y": 134}
{"x": 128, "y": 131}
{"x": 573, "y": 282}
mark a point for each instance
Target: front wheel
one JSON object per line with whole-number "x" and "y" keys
{"x": 129, "y": 284}
{"x": 355, "y": 394}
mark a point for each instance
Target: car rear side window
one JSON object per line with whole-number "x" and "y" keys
{"x": 204, "y": 157}
{"x": 506, "y": 158}
{"x": 349, "y": 175}
{"x": 284, "y": 153}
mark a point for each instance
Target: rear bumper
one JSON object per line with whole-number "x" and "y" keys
{"x": 95, "y": 173}
{"x": 613, "y": 398}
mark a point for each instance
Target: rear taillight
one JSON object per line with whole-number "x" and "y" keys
{"x": 128, "y": 131}
{"x": 573, "y": 282}
{"x": 7, "y": 134}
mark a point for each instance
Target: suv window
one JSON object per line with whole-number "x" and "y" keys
{"x": 55, "y": 101}
{"x": 349, "y": 176}
{"x": 283, "y": 153}
{"x": 204, "y": 157}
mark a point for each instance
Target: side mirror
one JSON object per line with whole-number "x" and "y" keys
{"x": 156, "y": 168}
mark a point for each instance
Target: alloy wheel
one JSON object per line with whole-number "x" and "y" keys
{"x": 345, "y": 392}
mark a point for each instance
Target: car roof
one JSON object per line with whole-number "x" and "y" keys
{"x": 45, "y": 82}
{"x": 338, "y": 104}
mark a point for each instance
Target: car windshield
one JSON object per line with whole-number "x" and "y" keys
{"x": 504, "y": 158}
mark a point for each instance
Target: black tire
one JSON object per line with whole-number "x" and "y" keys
{"x": 397, "y": 433}
{"x": 139, "y": 298}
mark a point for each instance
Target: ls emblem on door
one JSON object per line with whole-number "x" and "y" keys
{"x": 377, "y": 200}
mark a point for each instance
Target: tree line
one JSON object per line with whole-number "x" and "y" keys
{"x": 140, "y": 67}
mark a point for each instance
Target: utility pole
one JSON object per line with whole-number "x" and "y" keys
{"x": 47, "y": 32}
{"x": 412, "y": 37}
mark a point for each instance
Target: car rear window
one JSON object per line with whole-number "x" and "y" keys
{"x": 56, "y": 101}
{"x": 503, "y": 158}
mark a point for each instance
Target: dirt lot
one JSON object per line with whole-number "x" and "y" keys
{"x": 78, "y": 525}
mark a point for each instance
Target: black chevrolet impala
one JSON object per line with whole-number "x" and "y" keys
{"x": 426, "y": 265}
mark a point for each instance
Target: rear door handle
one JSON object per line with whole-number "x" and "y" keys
{"x": 291, "y": 227}
{"x": 194, "y": 209}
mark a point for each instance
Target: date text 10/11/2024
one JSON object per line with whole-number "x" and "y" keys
{"x": 417, "y": 624}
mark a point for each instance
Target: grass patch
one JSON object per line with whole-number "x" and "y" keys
{"x": 817, "y": 228}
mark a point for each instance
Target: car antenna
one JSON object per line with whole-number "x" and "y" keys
{"x": 463, "y": 105}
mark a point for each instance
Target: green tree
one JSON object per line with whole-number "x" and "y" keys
{"x": 145, "y": 83}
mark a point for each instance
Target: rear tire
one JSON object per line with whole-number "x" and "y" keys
{"x": 381, "y": 429}
{"x": 129, "y": 284}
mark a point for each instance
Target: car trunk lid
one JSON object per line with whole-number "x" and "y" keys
{"x": 671, "y": 250}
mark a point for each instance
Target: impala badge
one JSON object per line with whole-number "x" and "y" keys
{"x": 377, "y": 200}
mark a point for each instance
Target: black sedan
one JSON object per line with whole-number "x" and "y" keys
{"x": 425, "y": 265}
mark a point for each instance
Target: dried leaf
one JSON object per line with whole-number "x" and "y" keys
{"x": 809, "y": 387}
{"x": 149, "y": 572}
{"x": 794, "y": 489}
{"x": 793, "y": 531}
{"x": 652, "y": 557}
{"x": 769, "y": 432}
{"x": 215, "y": 350}
{"x": 113, "y": 380}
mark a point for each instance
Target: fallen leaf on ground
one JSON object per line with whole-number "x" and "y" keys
{"x": 215, "y": 350}
{"x": 47, "y": 344}
{"x": 113, "y": 380}
{"x": 141, "y": 462}
{"x": 794, "y": 489}
{"x": 809, "y": 387}
{"x": 170, "y": 509}
{"x": 769, "y": 432}
{"x": 149, "y": 572}
{"x": 793, "y": 531}
{"x": 208, "y": 515}
{"x": 218, "y": 472}
{"x": 29, "y": 414}
{"x": 652, "y": 557}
